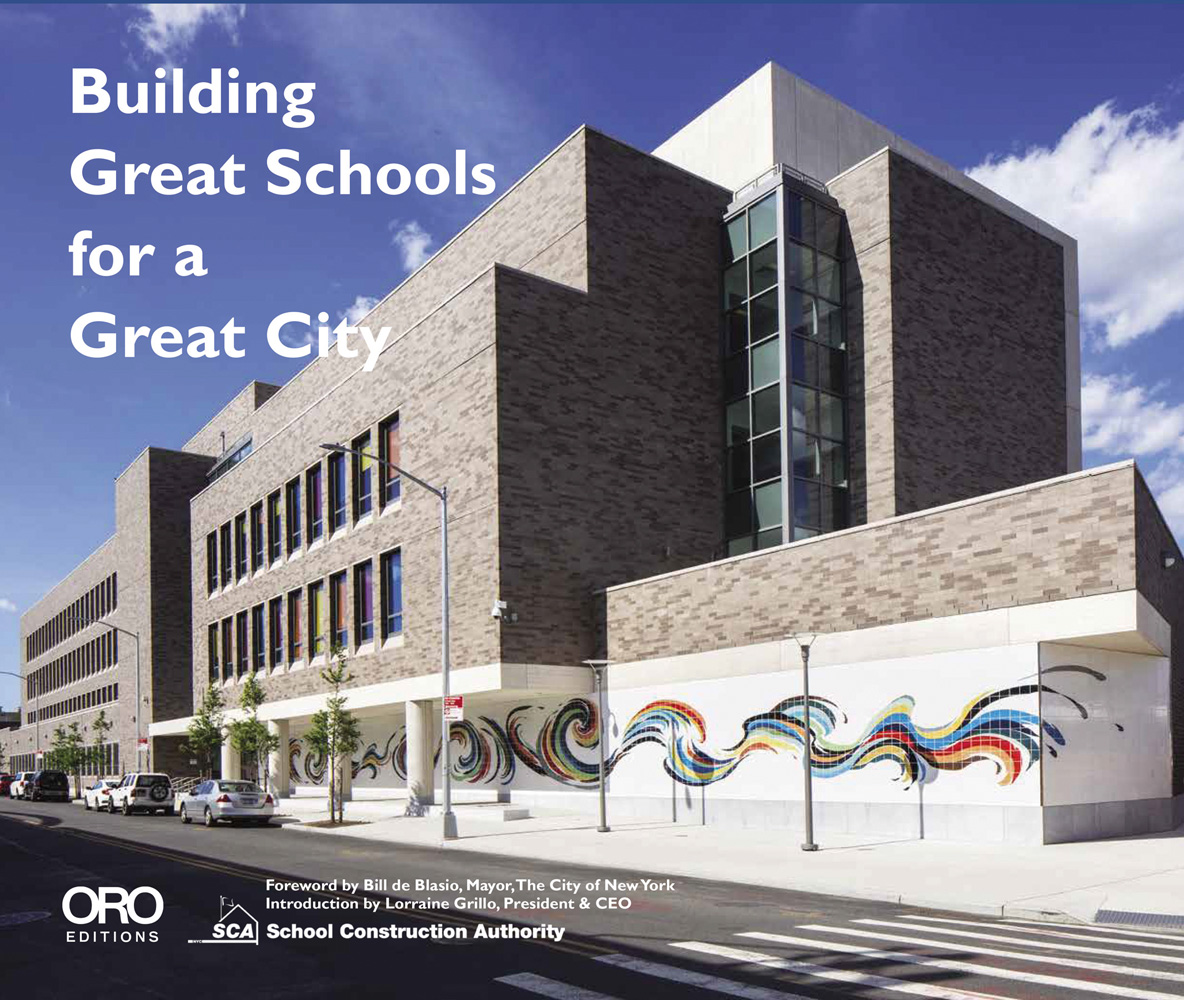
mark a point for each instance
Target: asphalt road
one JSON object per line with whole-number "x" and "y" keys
{"x": 696, "y": 940}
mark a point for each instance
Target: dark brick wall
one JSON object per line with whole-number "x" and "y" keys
{"x": 978, "y": 345}
{"x": 609, "y": 425}
{"x": 1070, "y": 538}
{"x": 1164, "y": 589}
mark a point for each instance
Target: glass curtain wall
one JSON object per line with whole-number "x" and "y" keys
{"x": 781, "y": 256}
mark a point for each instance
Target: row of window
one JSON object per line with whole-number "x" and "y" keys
{"x": 100, "y": 600}
{"x": 309, "y": 622}
{"x": 79, "y": 703}
{"x": 103, "y": 760}
{"x": 260, "y": 536}
{"x": 97, "y": 654}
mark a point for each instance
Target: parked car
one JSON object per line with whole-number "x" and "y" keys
{"x": 48, "y": 786}
{"x": 17, "y": 789}
{"x": 234, "y": 801}
{"x": 142, "y": 792}
{"x": 6, "y": 781}
{"x": 97, "y": 796}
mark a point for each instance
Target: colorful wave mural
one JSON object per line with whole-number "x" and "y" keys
{"x": 984, "y": 730}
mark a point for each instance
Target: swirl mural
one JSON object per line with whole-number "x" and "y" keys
{"x": 564, "y": 741}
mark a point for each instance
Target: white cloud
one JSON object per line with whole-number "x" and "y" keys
{"x": 7, "y": 605}
{"x": 167, "y": 30}
{"x": 356, "y": 312}
{"x": 412, "y": 243}
{"x": 1167, "y": 483}
{"x": 1121, "y": 417}
{"x": 1112, "y": 181}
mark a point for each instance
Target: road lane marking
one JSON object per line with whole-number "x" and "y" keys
{"x": 1097, "y": 930}
{"x": 550, "y": 987}
{"x": 1056, "y": 934}
{"x": 953, "y": 965}
{"x": 869, "y": 979}
{"x": 1072, "y": 963}
{"x": 703, "y": 980}
{"x": 1053, "y": 945}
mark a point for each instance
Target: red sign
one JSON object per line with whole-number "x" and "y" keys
{"x": 454, "y": 708}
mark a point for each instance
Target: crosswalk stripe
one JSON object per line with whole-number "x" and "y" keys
{"x": 1072, "y": 963}
{"x": 1055, "y": 934}
{"x": 1055, "y": 945}
{"x": 956, "y": 966}
{"x": 703, "y": 980}
{"x": 544, "y": 987}
{"x": 1097, "y": 930}
{"x": 869, "y": 979}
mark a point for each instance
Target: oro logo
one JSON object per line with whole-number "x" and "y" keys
{"x": 128, "y": 907}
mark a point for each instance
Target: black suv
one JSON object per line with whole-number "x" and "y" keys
{"x": 49, "y": 786}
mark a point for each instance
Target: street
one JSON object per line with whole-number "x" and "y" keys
{"x": 703, "y": 939}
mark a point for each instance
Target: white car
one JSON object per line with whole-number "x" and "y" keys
{"x": 97, "y": 796}
{"x": 234, "y": 801}
{"x": 141, "y": 791}
{"x": 17, "y": 790}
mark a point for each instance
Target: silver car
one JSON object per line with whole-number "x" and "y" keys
{"x": 232, "y": 800}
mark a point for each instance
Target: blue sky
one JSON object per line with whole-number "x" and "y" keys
{"x": 1075, "y": 112}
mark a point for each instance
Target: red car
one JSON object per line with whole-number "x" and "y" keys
{"x": 6, "y": 781}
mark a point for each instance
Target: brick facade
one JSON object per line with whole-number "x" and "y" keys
{"x": 1067, "y": 538}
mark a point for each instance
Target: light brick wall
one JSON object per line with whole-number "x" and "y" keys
{"x": 1067, "y": 538}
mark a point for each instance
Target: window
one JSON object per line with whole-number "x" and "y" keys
{"x": 240, "y": 546}
{"x": 275, "y": 632}
{"x": 274, "y": 533}
{"x": 337, "y": 503}
{"x": 292, "y": 496}
{"x": 392, "y": 594}
{"x": 765, "y": 376}
{"x": 388, "y": 451}
{"x": 227, "y": 648}
{"x": 215, "y": 666}
{"x": 364, "y": 602}
{"x": 295, "y": 626}
{"x": 338, "y": 632}
{"x": 240, "y": 644}
{"x": 316, "y": 619}
{"x": 227, "y": 560}
{"x": 257, "y": 537}
{"x": 314, "y": 500}
{"x": 363, "y": 466}
{"x": 258, "y": 639}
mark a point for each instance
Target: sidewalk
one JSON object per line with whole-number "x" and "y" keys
{"x": 1142, "y": 875}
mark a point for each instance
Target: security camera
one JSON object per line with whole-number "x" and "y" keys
{"x": 498, "y": 610}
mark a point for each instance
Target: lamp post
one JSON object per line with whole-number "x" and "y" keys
{"x": 442, "y": 494}
{"x": 599, "y": 667}
{"x": 135, "y": 635}
{"x": 805, "y": 640}
{"x": 36, "y": 711}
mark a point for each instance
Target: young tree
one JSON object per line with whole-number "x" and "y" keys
{"x": 68, "y": 753}
{"x": 334, "y": 733}
{"x": 251, "y": 736}
{"x": 100, "y": 727}
{"x": 2, "y": 757}
{"x": 204, "y": 737}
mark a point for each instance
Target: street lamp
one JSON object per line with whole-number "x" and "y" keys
{"x": 805, "y": 640}
{"x": 36, "y": 711}
{"x": 84, "y": 622}
{"x": 442, "y": 493}
{"x": 599, "y": 667}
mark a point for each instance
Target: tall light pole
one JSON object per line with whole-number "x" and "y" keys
{"x": 36, "y": 712}
{"x": 442, "y": 494}
{"x": 805, "y": 640}
{"x": 139, "y": 707}
{"x": 599, "y": 668}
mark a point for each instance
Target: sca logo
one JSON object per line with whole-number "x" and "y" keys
{"x": 235, "y": 926}
{"x": 112, "y": 904}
